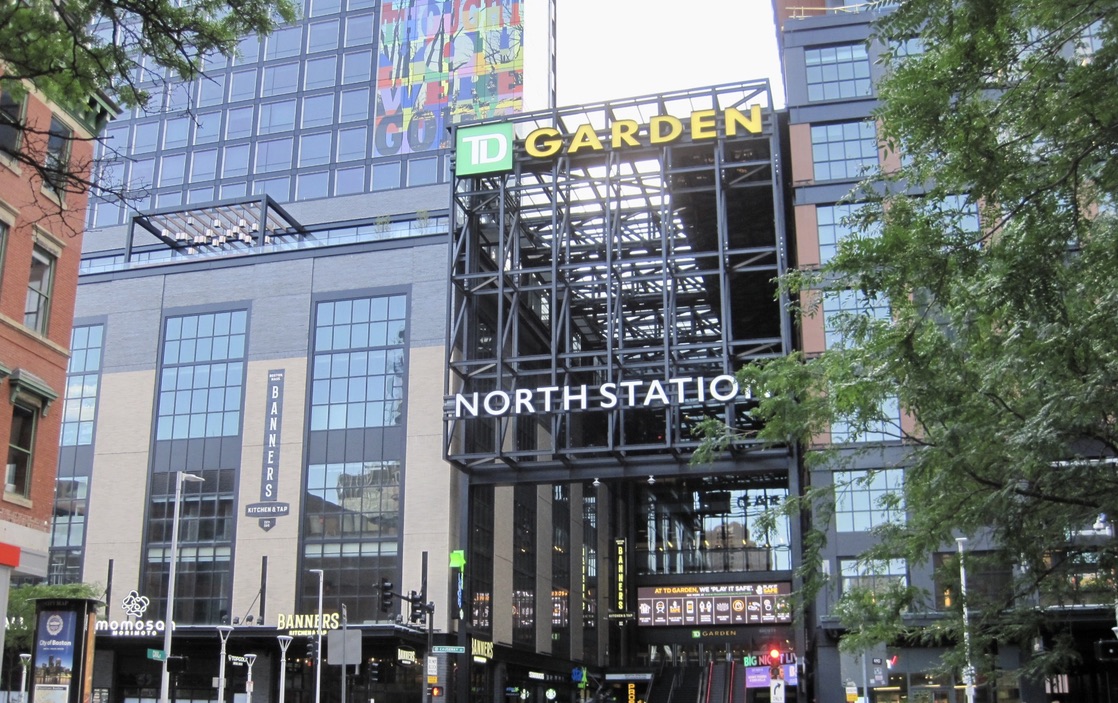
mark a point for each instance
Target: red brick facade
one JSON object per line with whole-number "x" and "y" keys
{"x": 32, "y": 364}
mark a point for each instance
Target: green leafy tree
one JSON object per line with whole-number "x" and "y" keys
{"x": 1001, "y": 346}
{"x": 21, "y": 618}
{"x": 125, "y": 50}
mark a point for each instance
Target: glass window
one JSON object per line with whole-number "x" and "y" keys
{"x": 211, "y": 90}
{"x": 833, "y": 228}
{"x": 843, "y": 308}
{"x": 57, "y": 162}
{"x": 168, "y": 199}
{"x": 106, "y": 214}
{"x": 423, "y": 171}
{"x": 145, "y": 137}
{"x": 318, "y": 110}
{"x": 357, "y": 67}
{"x": 240, "y": 123}
{"x": 242, "y": 86}
{"x": 838, "y": 72}
{"x": 314, "y": 149}
{"x": 355, "y": 105}
{"x": 202, "y": 375}
{"x": 283, "y": 43}
{"x": 235, "y": 162}
{"x": 309, "y": 186}
{"x": 321, "y": 73}
{"x": 82, "y": 385}
{"x": 386, "y": 175}
{"x": 40, "y": 288}
{"x": 208, "y": 128}
{"x": 352, "y": 144}
{"x": 21, "y": 451}
{"x": 141, "y": 174}
{"x": 875, "y": 575}
{"x": 233, "y": 190}
{"x": 178, "y": 96}
{"x": 248, "y": 50}
{"x": 176, "y": 132}
{"x": 171, "y": 169}
{"x": 359, "y": 30}
{"x": 349, "y": 180}
{"x": 358, "y": 363}
{"x": 866, "y": 499}
{"x": 200, "y": 195}
{"x": 273, "y": 155}
{"x": 325, "y": 7}
{"x": 11, "y": 114}
{"x": 360, "y": 4}
{"x": 203, "y": 166}
{"x": 322, "y": 36}
{"x": 277, "y": 117}
{"x": 278, "y": 189}
{"x": 845, "y": 150}
{"x": 280, "y": 79}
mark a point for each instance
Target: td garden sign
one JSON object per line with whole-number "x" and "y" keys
{"x": 490, "y": 148}
{"x": 632, "y": 394}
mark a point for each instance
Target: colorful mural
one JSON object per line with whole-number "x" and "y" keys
{"x": 442, "y": 62}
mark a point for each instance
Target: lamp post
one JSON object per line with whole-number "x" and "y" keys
{"x": 250, "y": 658}
{"x": 968, "y": 672}
{"x": 285, "y": 642}
{"x": 168, "y": 622}
{"x": 223, "y": 632}
{"x": 318, "y": 638}
{"x": 24, "y": 660}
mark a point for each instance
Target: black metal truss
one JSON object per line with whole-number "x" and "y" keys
{"x": 651, "y": 263}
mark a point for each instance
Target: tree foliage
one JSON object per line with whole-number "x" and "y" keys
{"x": 21, "y": 609}
{"x": 1001, "y": 345}
{"x": 126, "y": 50}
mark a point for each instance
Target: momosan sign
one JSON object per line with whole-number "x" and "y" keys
{"x": 490, "y": 148}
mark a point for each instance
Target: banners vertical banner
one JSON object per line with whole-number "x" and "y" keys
{"x": 273, "y": 422}
{"x": 53, "y": 661}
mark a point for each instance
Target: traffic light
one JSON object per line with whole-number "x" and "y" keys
{"x": 385, "y": 595}
{"x": 176, "y": 664}
{"x": 312, "y": 649}
{"x": 418, "y": 607}
{"x": 374, "y": 672}
{"x": 435, "y": 691}
{"x": 774, "y": 655}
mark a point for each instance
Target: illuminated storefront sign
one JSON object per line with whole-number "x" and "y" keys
{"x": 620, "y": 603}
{"x": 307, "y": 623}
{"x": 723, "y": 604}
{"x": 526, "y": 401}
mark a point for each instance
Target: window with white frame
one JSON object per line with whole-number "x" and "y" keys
{"x": 866, "y": 499}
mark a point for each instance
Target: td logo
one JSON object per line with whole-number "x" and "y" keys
{"x": 483, "y": 149}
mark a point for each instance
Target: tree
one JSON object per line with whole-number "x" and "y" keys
{"x": 74, "y": 50}
{"x": 1001, "y": 346}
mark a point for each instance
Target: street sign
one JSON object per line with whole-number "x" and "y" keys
{"x": 158, "y": 655}
{"x": 448, "y": 649}
{"x": 776, "y": 691}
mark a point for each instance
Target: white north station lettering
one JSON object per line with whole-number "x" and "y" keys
{"x": 525, "y": 401}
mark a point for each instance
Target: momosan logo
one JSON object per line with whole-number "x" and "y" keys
{"x": 483, "y": 149}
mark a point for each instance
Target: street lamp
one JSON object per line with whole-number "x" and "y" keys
{"x": 968, "y": 672}
{"x": 168, "y": 622}
{"x": 318, "y": 637}
{"x": 223, "y": 631}
{"x": 250, "y": 658}
{"x": 285, "y": 642}
{"x": 24, "y": 660}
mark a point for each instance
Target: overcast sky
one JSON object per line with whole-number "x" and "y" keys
{"x": 609, "y": 49}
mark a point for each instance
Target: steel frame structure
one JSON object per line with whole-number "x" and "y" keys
{"x": 613, "y": 265}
